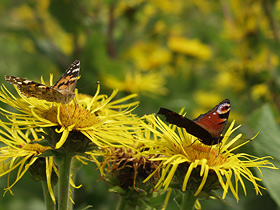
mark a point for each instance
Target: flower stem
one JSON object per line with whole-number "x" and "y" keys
{"x": 121, "y": 203}
{"x": 64, "y": 166}
{"x": 188, "y": 201}
{"x": 48, "y": 200}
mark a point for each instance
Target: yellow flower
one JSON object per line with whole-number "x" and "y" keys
{"x": 261, "y": 91}
{"x": 147, "y": 56}
{"x": 27, "y": 17}
{"x": 146, "y": 83}
{"x": 190, "y": 47}
{"x": 228, "y": 78}
{"x": 169, "y": 6}
{"x": 206, "y": 101}
{"x": 245, "y": 21}
{"x": 102, "y": 121}
{"x": 189, "y": 165}
{"x": 21, "y": 152}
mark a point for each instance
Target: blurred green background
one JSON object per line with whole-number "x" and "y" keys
{"x": 173, "y": 53}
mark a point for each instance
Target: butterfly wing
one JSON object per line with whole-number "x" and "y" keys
{"x": 216, "y": 119}
{"x": 30, "y": 89}
{"x": 183, "y": 122}
{"x": 207, "y": 127}
{"x": 69, "y": 79}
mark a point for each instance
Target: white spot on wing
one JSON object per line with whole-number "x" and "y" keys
{"x": 75, "y": 70}
{"x": 27, "y": 81}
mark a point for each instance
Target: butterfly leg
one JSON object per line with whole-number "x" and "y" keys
{"x": 52, "y": 106}
{"x": 76, "y": 102}
{"x": 192, "y": 143}
{"x": 210, "y": 147}
{"x": 219, "y": 148}
{"x": 67, "y": 110}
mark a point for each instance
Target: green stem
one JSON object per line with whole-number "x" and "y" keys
{"x": 64, "y": 166}
{"x": 121, "y": 203}
{"x": 75, "y": 166}
{"x": 48, "y": 200}
{"x": 188, "y": 201}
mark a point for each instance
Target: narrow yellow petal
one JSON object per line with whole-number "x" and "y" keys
{"x": 62, "y": 139}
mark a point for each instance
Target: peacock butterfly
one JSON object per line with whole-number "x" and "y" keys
{"x": 207, "y": 127}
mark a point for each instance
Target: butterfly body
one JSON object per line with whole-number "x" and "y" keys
{"x": 207, "y": 127}
{"x": 61, "y": 92}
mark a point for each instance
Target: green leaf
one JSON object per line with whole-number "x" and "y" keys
{"x": 267, "y": 143}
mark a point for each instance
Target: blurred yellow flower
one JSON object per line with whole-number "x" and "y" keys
{"x": 23, "y": 15}
{"x": 204, "y": 6}
{"x": 190, "y": 47}
{"x": 261, "y": 91}
{"x": 207, "y": 99}
{"x": 127, "y": 5}
{"x": 148, "y": 56}
{"x": 43, "y": 5}
{"x": 229, "y": 78}
{"x": 169, "y": 6}
{"x": 26, "y": 17}
{"x": 244, "y": 19}
{"x": 149, "y": 84}
{"x": 160, "y": 26}
{"x": 265, "y": 60}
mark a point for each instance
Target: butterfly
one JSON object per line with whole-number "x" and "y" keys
{"x": 61, "y": 92}
{"x": 207, "y": 127}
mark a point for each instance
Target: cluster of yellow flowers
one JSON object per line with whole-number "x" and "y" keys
{"x": 205, "y": 48}
{"x": 134, "y": 150}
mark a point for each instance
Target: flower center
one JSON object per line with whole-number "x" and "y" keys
{"x": 200, "y": 151}
{"x": 73, "y": 115}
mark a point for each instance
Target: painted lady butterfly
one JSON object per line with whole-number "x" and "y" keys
{"x": 61, "y": 92}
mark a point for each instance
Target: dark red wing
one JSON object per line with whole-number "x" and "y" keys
{"x": 215, "y": 120}
{"x": 182, "y": 122}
